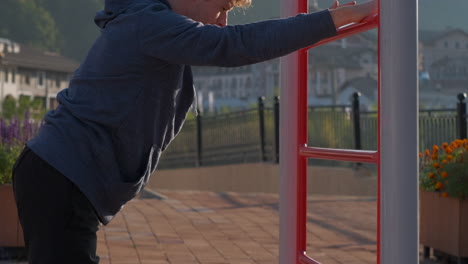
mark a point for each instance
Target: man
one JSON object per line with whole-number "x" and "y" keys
{"x": 125, "y": 104}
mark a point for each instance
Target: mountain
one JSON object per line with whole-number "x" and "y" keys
{"x": 75, "y": 24}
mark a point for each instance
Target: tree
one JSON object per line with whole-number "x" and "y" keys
{"x": 9, "y": 107}
{"x": 26, "y": 22}
{"x": 17, "y": 108}
{"x": 75, "y": 23}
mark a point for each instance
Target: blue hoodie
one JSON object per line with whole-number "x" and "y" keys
{"x": 130, "y": 96}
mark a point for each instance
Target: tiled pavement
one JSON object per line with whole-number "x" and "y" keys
{"x": 216, "y": 228}
{"x": 220, "y": 228}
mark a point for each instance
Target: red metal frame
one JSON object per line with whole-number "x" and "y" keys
{"x": 322, "y": 153}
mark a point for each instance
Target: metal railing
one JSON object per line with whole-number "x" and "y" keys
{"x": 253, "y": 135}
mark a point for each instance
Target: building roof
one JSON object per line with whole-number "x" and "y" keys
{"x": 364, "y": 85}
{"x": 29, "y": 57}
{"x": 428, "y": 37}
{"x": 446, "y": 61}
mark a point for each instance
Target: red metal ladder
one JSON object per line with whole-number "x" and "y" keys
{"x": 399, "y": 24}
{"x": 325, "y": 153}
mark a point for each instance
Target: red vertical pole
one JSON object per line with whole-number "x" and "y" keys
{"x": 379, "y": 204}
{"x": 302, "y": 140}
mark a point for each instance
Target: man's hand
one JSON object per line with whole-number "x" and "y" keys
{"x": 352, "y": 12}
{"x": 337, "y": 4}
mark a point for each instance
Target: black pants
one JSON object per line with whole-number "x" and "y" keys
{"x": 59, "y": 223}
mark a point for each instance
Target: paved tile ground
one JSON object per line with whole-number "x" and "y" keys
{"x": 231, "y": 228}
{"x": 221, "y": 228}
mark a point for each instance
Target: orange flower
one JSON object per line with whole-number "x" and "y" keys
{"x": 439, "y": 185}
{"x": 431, "y": 175}
{"x": 420, "y": 155}
{"x": 444, "y": 194}
{"x": 448, "y": 150}
{"x": 427, "y": 152}
{"x": 444, "y": 145}
{"x": 444, "y": 161}
{"x": 434, "y": 157}
{"x": 435, "y": 148}
{"x": 449, "y": 157}
{"x": 444, "y": 174}
{"x": 436, "y": 165}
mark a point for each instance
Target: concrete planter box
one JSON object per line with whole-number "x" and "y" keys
{"x": 444, "y": 224}
{"x": 11, "y": 233}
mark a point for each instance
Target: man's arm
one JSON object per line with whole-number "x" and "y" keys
{"x": 177, "y": 39}
{"x": 174, "y": 38}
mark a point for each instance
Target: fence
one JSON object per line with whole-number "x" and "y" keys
{"x": 253, "y": 135}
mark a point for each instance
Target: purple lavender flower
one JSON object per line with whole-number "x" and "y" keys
{"x": 15, "y": 132}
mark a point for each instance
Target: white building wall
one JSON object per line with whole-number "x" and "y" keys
{"x": 445, "y": 47}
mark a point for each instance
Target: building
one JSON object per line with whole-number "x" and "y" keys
{"x": 330, "y": 66}
{"x": 26, "y": 71}
{"x": 333, "y": 65}
{"x": 444, "y": 67}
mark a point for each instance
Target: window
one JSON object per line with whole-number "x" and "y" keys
{"x": 27, "y": 78}
{"x": 248, "y": 83}
{"x": 57, "y": 80}
{"x": 325, "y": 77}
{"x": 7, "y": 73}
{"x": 13, "y": 76}
{"x": 275, "y": 77}
{"x": 40, "y": 79}
{"x": 234, "y": 83}
{"x": 462, "y": 71}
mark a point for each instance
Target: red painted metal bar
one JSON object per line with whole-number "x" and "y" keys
{"x": 340, "y": 154}
{"x": 301, "y": 164}
{"x": 379, "y": 165}
{"x": 304, "y": 259}
{"x": 302, "y": 161}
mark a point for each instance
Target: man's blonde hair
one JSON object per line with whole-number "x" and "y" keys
{"x": 242, "y": 3}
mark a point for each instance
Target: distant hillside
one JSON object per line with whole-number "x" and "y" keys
{"x": 64, "y": 26}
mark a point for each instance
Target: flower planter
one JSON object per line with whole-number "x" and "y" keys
{"x": 444, "y": 223}
{"x": 11, "y": 233}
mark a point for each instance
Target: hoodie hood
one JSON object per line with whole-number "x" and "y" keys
{"x": 112, "y": 8}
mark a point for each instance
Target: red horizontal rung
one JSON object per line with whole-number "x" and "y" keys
{"x": 364, "y": 156}
{"x": 304, "y": 259}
